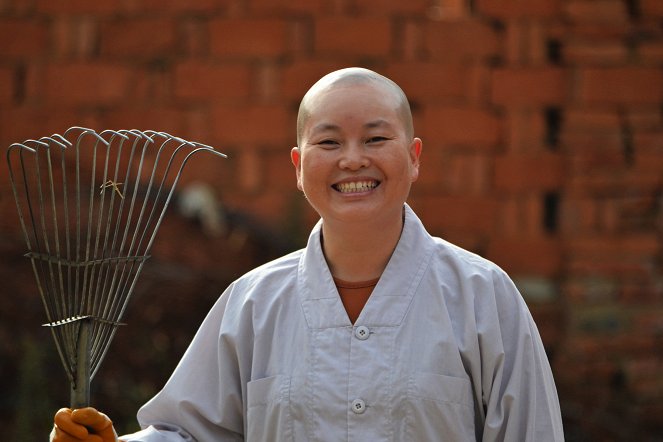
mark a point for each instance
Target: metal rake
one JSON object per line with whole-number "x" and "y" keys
{"x": 89, "y": 206}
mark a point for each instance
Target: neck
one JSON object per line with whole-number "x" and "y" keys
{"x": 360, "y": 252}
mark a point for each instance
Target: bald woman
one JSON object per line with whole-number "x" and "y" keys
{"x": 375, "y": 331}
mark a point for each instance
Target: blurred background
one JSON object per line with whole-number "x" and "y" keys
{"x": 542, "y": 123}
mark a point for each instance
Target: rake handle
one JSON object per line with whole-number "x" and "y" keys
{"x": 80, "y": 386}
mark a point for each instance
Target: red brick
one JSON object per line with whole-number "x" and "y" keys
{"x": 74, "y": 36}
{"x": 80, "y": 7}
{"x": 172, "y": 121}
{"x": 649, "y": 141}
{"x": 526, "y": 43}
{"x": 448, "y": 10}
{"x": 429, "y": 82}
{"x": 279, "y": 171}
{"x": 525, "y": 131}
{"x": 528, "y": 86}
{"x": 249, "y": 38}
{"x": 194, "y": 37}
{"x": 189, "y": 6}
{"x": 615, "y": 247}
{"x": 298, "y": 77}
{"x": 409, "y": 46}
{"x": 597, "y": 11}
{"x": 353, "y": 36}
{"x": 444, "y": 214}
{"x": 199, "y": 81}
{"x": 461, "y": 125}
{"x": 250, "y": 170}
{"x": 651, "y": 8}
{"x": 528, "y": 173}
{"x": 465, "y": 173}
{"x": 522, "y": 216}
{"x": 594, "y": 52}
{"x": 264, "y": 124}
{"x": 7, "y": 85}
{"x": 20, "y": 124}
{"x": 23, "y": 38}
{"x": 138, "y": 37}
{"x": 431, "y": 173}
{"x": 620, "y": 85}
{"x": 591, "y": 119}
{"x": 516, "y": 9}
{"x": 391, "y": 7}
{"x": 532, "y": 256}
{"x": 80, "y": 83}
{"x": 290, "y": 7}
{"x": 462, "y": 40}
{"x": 651, "y": 52}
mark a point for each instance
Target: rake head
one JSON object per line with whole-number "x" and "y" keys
{"x": 90, "y": 205}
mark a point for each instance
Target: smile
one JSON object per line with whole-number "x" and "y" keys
{"x": 356, "y": 186}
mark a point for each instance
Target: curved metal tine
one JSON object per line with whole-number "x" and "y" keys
{"x": 77, "y": 129}
{"x": 48, "y": 284}
{"x": 134, "y": 268}
{"x": 67, "y": 306}
{"x": 62, "y": 139}
{"x": 88, "y": 273}
{"x": 29, "y": 238}
{"x": 163, "y": 176}
{"x": 174, "y": 185}
{"x": 104, "y": 291}
{"x": 163, "y": 211}
{"x": 98, "y": 251}
{"x": 44, "y": 245}
{"x": 12, "y": 179}
{"x": 98, "y": 348}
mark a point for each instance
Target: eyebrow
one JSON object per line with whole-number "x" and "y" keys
{"x": 333, "y": 127}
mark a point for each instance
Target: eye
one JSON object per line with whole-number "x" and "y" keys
{"x": 327, "y": 143}
{"x": 376, "y": 139}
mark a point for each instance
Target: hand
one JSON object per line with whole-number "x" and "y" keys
{"x": 82, "y": 425}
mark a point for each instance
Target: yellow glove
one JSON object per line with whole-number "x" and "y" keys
{"x": 82, "y": 425}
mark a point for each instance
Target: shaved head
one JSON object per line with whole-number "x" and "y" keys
{"x": 355, "y": 76}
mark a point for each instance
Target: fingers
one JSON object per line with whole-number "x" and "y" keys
{"x": 66, "y": 429}
{"x": 91, "y": 418}
{"x": 101, "y": 425}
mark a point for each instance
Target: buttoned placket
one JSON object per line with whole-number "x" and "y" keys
{"x": 369, "y": 368}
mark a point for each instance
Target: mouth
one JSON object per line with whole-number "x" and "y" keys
{"x": 356, "y": 186}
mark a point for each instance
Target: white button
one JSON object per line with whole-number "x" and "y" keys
{"x": 362, "y": 332}
{"x": 358, "y": 406}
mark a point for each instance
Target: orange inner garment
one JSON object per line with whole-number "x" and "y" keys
{"x": 354, "y": 295}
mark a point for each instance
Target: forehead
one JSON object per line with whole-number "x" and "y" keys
{"x": 364, "y": 101}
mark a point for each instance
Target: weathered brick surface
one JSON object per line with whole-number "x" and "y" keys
{"x": 369, "y": 37}
{"x": 543, "y": 150}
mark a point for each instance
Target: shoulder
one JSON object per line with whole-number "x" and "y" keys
{"x": 463, "y": 261}
{"x": 478, "y": 279}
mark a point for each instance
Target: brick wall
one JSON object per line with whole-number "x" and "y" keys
{"x": 541, "y": 120}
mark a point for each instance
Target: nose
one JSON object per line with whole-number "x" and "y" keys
{"x": 353, "y": 157}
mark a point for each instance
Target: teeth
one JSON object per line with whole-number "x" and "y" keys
{"x": 356, "y": 186}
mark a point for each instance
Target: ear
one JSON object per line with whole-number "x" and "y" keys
{"x": 415, "y": 152}
{"x": 296, "y": 157}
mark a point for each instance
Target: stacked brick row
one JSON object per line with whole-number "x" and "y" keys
{"x": 541, "y": 120}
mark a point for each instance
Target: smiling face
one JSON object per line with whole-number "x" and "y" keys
{"x": 356, "y": 158}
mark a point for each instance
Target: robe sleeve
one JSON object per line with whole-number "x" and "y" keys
{"x": 204, "y": 397}
{"x": 518, "y": 391}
